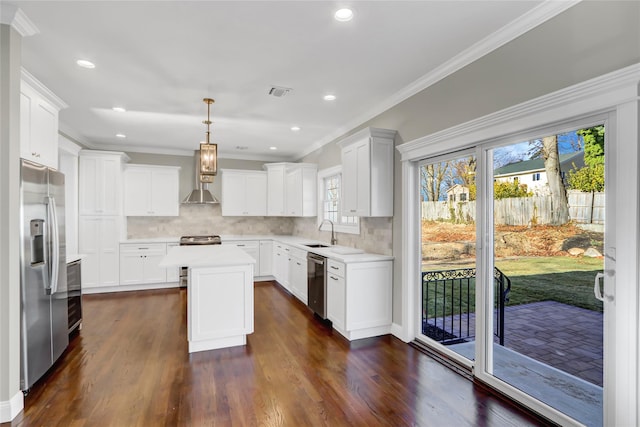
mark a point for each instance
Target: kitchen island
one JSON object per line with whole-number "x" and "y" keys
{"x": 219, "y": 294}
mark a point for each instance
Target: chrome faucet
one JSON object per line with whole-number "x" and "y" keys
{"x": 334, "y": 241}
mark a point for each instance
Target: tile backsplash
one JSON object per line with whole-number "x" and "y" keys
{"x": 375, "y": 233}
{"x": 203, "y": 220}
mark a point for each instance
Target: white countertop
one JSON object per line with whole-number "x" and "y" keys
{"x": 153, "y": 240}
{"x": 339, "y": 253}
{"x": 205, "y": 256}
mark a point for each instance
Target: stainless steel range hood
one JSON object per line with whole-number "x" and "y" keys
{"x": 200, "y": 195}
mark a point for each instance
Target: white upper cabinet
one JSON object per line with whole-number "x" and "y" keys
{"x": 276, "y": 173}
{"x": 291, "y": 189}
{"x": 100, "y": 182}
{"x": 244, "y": 193}
{"x": 39, "y": 110}
{"x": 367, "y": 173}
{"x": 151, "y": 190}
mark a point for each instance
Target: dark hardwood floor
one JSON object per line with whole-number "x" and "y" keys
{"x": 129, "y": 366}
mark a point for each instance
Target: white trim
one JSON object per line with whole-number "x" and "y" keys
{"x": 536, "y": 16}
{"x": 16, "y": 18}
{"x": 614, "y": 95}
{"x": 587, "y": 98}
{"x": 338, "y": 228}
{"x": 9, "y": 409}
{"x": 396, "y": 331}
{"x": 29, "y": 79}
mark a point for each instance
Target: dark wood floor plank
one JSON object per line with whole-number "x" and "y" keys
{"x": 129, "y": 366}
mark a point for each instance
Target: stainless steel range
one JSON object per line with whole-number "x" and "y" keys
{"x": 195, "y": 240}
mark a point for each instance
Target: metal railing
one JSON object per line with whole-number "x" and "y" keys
{"x": 448, "y": 304}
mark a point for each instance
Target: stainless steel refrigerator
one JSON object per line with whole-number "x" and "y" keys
{"x": 43, "y": 274}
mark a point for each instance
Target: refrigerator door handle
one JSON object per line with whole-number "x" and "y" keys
{"x": 55, "y": 242}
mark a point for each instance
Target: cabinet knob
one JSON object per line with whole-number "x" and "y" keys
{"x": 333, "y": 278}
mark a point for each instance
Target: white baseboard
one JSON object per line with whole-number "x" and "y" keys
{"x": 9, "y": 409}
{"x": 125, "y": 288}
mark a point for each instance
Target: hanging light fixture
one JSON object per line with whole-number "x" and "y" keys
{"x": 208, "y": 151}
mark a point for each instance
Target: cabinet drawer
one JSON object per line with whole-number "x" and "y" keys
{"x": 243, "y": 244}
{"x": 298, "y": 253}
{"x": 335, "y": 267}
{"x": 143, "y": 247}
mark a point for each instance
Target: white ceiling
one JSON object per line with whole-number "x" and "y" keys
{"x": 159, "y": 59}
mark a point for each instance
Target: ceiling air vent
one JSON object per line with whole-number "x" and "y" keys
{"x": 279, "y": 91}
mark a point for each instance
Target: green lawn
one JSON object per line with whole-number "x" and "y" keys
{"x": 564, "y": 279}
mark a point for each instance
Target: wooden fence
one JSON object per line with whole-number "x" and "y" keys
{"x": 585, "y": 208}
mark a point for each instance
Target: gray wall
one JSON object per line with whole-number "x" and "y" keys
{"x": 587, "y": 40}
{"x": 10, "y": 59}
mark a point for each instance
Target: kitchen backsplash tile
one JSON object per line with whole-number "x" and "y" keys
{"x": 376, "y": 234}
{"x": 203, "y": 220}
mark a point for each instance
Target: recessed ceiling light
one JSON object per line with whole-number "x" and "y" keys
{"x": 121, "y": 135}
{"x": 295, "y": 128}
{"x": 119, "y": 109}
{"x": 329, "y": 98}
{"x": 273, "y": 148}
{"x": 343, "y": 15}
{"x": 85, "y": 64}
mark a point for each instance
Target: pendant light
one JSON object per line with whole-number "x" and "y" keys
{"x": 208, "y": 151}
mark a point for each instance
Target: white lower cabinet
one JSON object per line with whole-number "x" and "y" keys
{"x": 139, "y": 263}
{"x": 252, "y": 248}
{"x": 99, "y": 240}
{"x": 266, "y": 258}
{"x": 297, "y": 261}
{"x": 281, "y": 264}
{"x": 359, "y": 298}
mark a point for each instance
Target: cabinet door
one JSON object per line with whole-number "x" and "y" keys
{"x": 165, "y": 189}
{"x": 110, "y": 181}
{"x": 294, "y": 193}
{"x": 266, "y": 258}
{"x": 152, "y": 272}
{"x": 109, "y": 251}
{"x": 276, "y": 191}
{"x": 137, "y": 192}
{"x": 88, "y": 185}
{"x": 89, "y": 245}
{"x": 38, "y": 128}
{"x": 256, "y": 194}
{"x": 99, "y": 185}
{"x": 298, "y": 277}
{"x": 349, "y": 181}
{"x": 363, "y": 179}
{"x": 131, "y": 268}
{"x": 336, "y": 296}
{"x": 233, "y": 195}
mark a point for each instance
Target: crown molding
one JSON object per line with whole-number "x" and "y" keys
{"x": 533, "y": 18}
{"x": 590, "y": 97}
{"x": 17, "y": 19}
{"x": 28, "y": 78}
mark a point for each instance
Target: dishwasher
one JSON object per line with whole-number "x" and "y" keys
{"x": 317, "y": 284}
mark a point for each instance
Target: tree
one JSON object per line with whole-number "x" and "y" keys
{"x": 431, "y": 179}
{"x": 588, "y": 178}
{"x": 593, "y": 140}
{"x": 547, "y": 148}
{"x": 505, "y": 190}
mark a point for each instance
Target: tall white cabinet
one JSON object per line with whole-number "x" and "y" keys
{"x": 367, "y": 173}
{"x": 100, "y": 223}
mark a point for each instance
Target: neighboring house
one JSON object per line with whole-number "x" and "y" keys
{"x": 458, "y": 193}
{"x": 533, "y": 174}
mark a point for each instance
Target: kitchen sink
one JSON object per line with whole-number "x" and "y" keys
{"x": 316, "y": 245}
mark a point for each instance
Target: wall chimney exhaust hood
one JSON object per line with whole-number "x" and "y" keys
{"x": 200, "y": 195}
